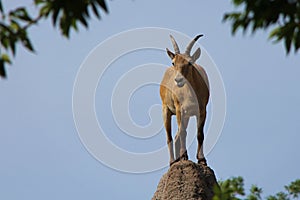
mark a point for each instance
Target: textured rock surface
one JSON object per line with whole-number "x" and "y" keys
{"x": 186, "y": 180}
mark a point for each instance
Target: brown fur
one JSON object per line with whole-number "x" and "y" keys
{"x": 184, "y": 91}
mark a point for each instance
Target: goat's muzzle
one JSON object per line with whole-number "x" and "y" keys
{"x": 179, "y": 80}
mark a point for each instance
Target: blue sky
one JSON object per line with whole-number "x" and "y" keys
{"x": 42, "y": 157}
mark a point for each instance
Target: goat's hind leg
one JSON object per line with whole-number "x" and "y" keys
{"x": 200, "y": 137}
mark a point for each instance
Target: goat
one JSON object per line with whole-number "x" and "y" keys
{"x": 184, "y": 91}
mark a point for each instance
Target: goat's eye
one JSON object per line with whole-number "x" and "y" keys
{"x": 173, "y": 63}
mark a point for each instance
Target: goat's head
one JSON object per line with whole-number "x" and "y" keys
{"x": 183, "y": 63}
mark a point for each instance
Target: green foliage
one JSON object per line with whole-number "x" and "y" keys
{"x": 283, "y": 16}
{"x": 13, "y": 31}
{"x": 229, "y": 189}
{"x": 14, "y": 25}
{"x": 68, "y": 12}
{"x": 293, "y": 189}
{"x": 233, "y": 189}
{"x": 255, "y": 193}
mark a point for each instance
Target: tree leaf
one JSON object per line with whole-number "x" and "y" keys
{"x": 237, "y": 2}
{"x": 12, "y": 45}
{"x": 45, "y": 10}
{"x": 36, "y": 2}
{"x": 287, "y": 43}
{"x": 102, "y": 4}
{"x": 20, "y": 13}
{"x": 55, "y": 15}
{"x": 65, "y": 27}
{"x": 2, "y": 69}
{"x": 83, "y": 21}
{"x": 26, "y": 42}
{"x": 297, "y": 40}
{"x": 15, "y": 25}
{"x": 274, "y": 32}
{"x": 1, "y": 7}
{"x": 5, "y": 42}
{"x": 6, "y": 28}
{"x": 85, "y": 11}
{"x": 5, "y": 58}
{"x": 95, "y": 10}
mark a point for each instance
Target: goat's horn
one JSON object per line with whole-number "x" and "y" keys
{"x": 191, "y": 44}
{"x": 175, "y": 46}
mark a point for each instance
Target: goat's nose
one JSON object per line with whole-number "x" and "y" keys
{"x": 179, "y": 79}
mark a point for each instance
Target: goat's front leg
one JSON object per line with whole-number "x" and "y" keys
{"x": 167, "y": 122}
{"x": 183, "y": 134}
{"x": 177, "y": 136}
{"x": 180, "y": 139}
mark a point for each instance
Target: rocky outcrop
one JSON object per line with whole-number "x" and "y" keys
{"x": 186, "y": 180}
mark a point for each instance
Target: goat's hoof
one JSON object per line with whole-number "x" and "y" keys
{"x": 202, "y": 161}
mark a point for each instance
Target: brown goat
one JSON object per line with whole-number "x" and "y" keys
{"x": 184, "y": 91}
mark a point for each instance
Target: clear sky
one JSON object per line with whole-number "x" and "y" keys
{"x": 42, "y": 157}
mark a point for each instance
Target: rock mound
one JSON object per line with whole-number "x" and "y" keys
{"x": 186, "y": 180}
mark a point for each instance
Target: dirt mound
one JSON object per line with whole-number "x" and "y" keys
{"x": 186, "y": 180}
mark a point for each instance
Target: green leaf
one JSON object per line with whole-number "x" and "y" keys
{"x": 2, "y": 69}
{"x": 274, "y": 32}
{"x": 238, "y": 2}
{"x": 65, "y": 27}
{"x": 287, "y": 43}
{"x": 26, "y": 42}
{"x": 74, "y": 24}
{"x": 5, "y": 28}
{"x": 5, "y": 42}
{"x": 236, "y": 25}
{"x": 1, "y": 7}
{"x": 12, "y": 45}
{"x": 54, "y": 16}
{"x": 36, "y": 2}
{"x": 5, "y": 58}
{"x": 95, "y": 10}
{"x": 85, "y": 12}
{"x": 102, "y": 4}
{"x": 14, "y": 25}
{"x": 20, "y": 13}
{"x": 297, "y": 44}
{"x": 45, "y": 10}
{"x": 83, "y": 21}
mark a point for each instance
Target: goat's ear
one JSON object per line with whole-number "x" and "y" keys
{"x": 196, "y": 55}
{"x": 170, "y": 53}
